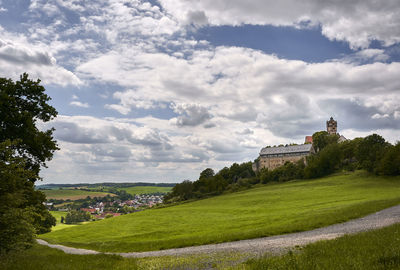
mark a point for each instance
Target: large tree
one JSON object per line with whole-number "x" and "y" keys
{"x": 24, "y": 149}
{"x": 22, "y": 104}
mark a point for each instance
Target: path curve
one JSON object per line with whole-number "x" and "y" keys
{"x": 273, "y": 244}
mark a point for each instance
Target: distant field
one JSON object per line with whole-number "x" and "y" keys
{"x": 72, "y": 194}
{"x": 266, "y": 210}
{"x": 146, "y": 189}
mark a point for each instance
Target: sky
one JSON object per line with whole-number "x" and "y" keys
{"x": 159, "y": 90}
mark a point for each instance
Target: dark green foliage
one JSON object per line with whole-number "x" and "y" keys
{"x": 75, "y": 216}
{"x": 23, "y": 150}
{"x": 349, "y": 150}
{"x": 326, "y": 162}
{"x": 209, "y": 183}
{"x": 390, "y": 162}
{"x": 181, "y": 192}
{"x": 22, "y": 213}
{"x": 370, "y": 150}
{"x": 207, "y": 173}
{"x": 321, "y": 139}
{"x": 288, "y": 171}
{"x": 22, "y": 104}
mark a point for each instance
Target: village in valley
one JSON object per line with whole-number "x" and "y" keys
{"x": 95, "y": 204}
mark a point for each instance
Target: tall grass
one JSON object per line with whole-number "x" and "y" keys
{"x": 379, "y": 249}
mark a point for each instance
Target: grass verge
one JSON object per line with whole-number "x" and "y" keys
{"x": 378, "y": 249}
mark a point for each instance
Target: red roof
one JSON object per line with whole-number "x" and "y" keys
{"x": 308, "y": 139}
{"x": 90, "y": 210}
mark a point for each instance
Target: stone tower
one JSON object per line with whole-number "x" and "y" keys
{"x": 331, "y": 126}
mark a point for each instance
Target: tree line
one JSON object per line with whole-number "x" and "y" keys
{"x": 236, "y": 177}
{"x": 372, "y": 153}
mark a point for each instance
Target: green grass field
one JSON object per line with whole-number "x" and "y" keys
{"x": 146, "y": 189}
{"x": 72, "y": 194}
{"x": 262, "y": 211}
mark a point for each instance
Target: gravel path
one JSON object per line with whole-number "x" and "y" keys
{"x": 273, "y": 244}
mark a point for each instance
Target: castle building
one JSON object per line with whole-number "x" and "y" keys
{"x": 331, "y": 126}
{"x": 273, "y": 157}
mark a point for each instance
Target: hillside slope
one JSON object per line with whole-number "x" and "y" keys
{"x": 266, "y": 210}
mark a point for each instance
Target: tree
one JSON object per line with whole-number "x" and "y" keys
{"x": 22, "y": 104}
{"x": 207, "y": 173}
{"x": 321, "y": 139}
{"x": 370, "y": 150}
{"x": 24, "y": 149}
{"x": 390, "y": 162}
{"x": 325, "y": 162}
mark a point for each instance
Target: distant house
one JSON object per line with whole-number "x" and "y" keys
{"x": 273, "y": 157}
{"x": 90, "y": 210}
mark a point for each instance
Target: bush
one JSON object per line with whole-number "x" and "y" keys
{"x": 288, "y": 171}
{"x": 326, "y": 162}
{"x": 75, "y": 216}
{"x": 390, "y": 163}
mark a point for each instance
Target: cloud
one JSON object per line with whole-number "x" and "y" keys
{"x": 358, "y": 115}
{"x": 197, "y": 18}
{"x": 190, "y": 114}
{"x": 17, "y": 57}
{"x": 225, "y": 102}
{"x": 79, "y": 104}
{"x": 247, "y": 86}
{"x": 9, "y": 52}
{"x": 357, "y": 22}
{"x": 366, "y": 56}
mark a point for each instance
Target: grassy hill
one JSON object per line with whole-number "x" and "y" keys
{"x": 265, "y": 210}
{"x": 72, "y": 194}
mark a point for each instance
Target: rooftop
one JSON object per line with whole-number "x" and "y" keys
{"x": 286, "y": 149}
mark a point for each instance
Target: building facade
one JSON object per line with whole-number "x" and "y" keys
{"x": 273, "y": 157}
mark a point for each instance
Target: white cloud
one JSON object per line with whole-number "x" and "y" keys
{"x": 79, "y": 104}
{"x": 245, "y": 85}
{"x": 18, "y": 56}
{"x": 357, "y": 22}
